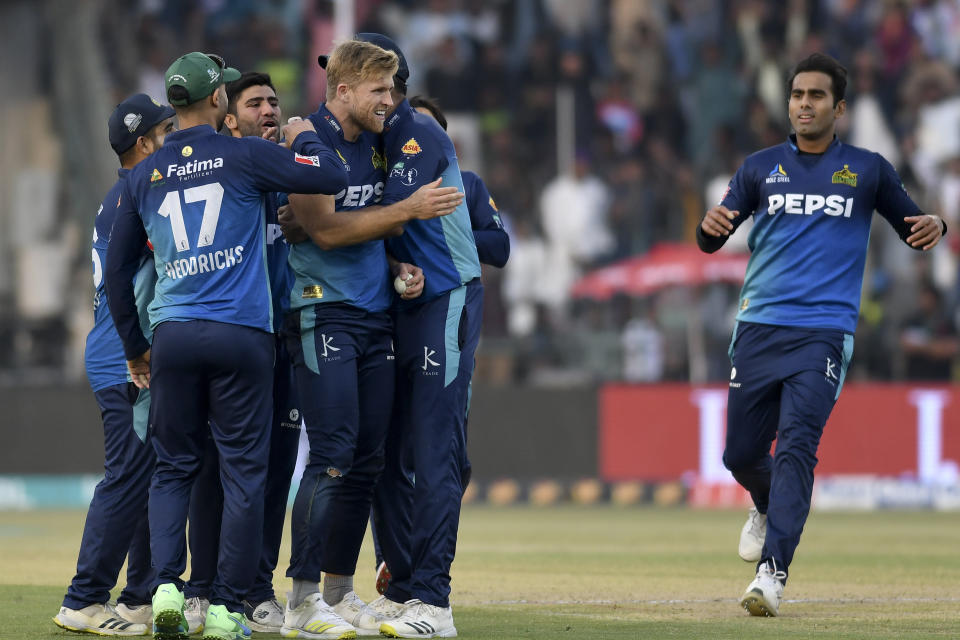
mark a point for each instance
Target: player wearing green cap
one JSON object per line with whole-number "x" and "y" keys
{"x": 200, "y": 201}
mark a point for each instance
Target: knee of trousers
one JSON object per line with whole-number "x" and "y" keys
{"x": 743, "y": 458}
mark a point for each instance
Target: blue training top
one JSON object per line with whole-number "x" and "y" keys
{"x": 493, "y": 243}
{"x": 418, "y": 152}
{"x": 103, "y": 354}
{"x": 358, "y": 274}
{"x": 812, "y": 215}
{"x": 200, "y": 200}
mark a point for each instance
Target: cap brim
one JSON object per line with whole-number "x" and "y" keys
{"x": 322, "y": 61}
{"x": 166, "y": 111}
{"x": 230, "y": 74}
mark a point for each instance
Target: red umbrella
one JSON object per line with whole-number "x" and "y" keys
{"x": 665, "y": 265}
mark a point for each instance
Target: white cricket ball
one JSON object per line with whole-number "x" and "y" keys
{"x": 399, "y": 283}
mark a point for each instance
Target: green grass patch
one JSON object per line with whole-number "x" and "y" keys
{"x": 607, "y": 572}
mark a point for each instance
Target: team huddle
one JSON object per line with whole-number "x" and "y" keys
{"x": 325, "y": 273}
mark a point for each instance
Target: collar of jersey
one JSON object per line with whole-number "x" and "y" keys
{"x": 792, "y": 142}
{"x": 401, "y": 114}
{"x": 199, "y": 131}
{"x": 321, "y": 117}
{"x": 121, "y": 172}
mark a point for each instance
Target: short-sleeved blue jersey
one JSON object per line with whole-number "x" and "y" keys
{"x": 201, "y": 201}
{"x": 812, "y": 215}
{"x": 103, "y": 353}
{"x": 358, "y": 274}
{"x": 493, "y": 243}
{"x": 418, "y": 152}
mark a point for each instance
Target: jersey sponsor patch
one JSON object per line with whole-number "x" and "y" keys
{"x": 808, "y": 204}
{"x": 845, "y": 176}
{"x": 409, "y": 177}
{"x": 411, "y": 147}
{"x": 493, "y": 205}
{"x": 187, "y": 151}
{"x": 778, "y": 174}
{"x": 360, "y": 195}
{"x": 313, "y": 291}
{"x": 314, "y": 160}
{"x": 156, "y": 176}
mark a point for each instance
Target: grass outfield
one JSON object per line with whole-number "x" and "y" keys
{"x": 605, "y": 572}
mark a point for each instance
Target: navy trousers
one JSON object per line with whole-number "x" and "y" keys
{"x": 783, "y": 385}
{"x": 204, "y": 529}
{"x": 344, "y": 367}
{"x": 116, "y": 525}
{"x": 202, "y": 368}
{"x": 418, "y": 514}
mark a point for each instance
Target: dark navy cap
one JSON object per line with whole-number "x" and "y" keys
{"x": 382, "y": 41}
{"x": 133, "y": 118}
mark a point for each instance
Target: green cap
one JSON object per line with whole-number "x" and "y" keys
{"x": 198, "y": 75}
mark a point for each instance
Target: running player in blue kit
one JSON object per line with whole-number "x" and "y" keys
{"x": 200, "y": 201}
{"x": 812, "y": 199}
{"x": 116, "y": 521}
{"x": 253, "y": 109}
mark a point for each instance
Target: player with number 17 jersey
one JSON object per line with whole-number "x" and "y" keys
{"x": 201, "y": 199}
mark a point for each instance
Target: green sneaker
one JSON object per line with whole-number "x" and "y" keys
{"x": 222, "y": 624}
{"x": 169, "y": 622}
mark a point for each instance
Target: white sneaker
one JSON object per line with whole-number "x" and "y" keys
{"x": 752, "y": 536}
{"x": 266, "y": 617}
{"x": 421, "y": 620}
{"x": 359, "y": 614}
{"x": 140, "y": 614}
{"x": 100, "y": 619}
{"x": 387, "y": 608}
{"x": 195, "y": 612}
{"x": 314, "y": 618}
{"x": 763, "y": 596}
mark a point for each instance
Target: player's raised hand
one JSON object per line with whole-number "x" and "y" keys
{"x": 139, "y": 369}
{"x": 926, "y": 231}
{"x": 294, "y": 127}
{"x": 718, "y": 221}
{"x": 432, "y": 201}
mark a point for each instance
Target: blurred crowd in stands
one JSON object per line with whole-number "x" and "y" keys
{"x": 605, "y": 127}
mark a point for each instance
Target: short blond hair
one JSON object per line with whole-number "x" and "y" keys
{"x": 356, "y": 61}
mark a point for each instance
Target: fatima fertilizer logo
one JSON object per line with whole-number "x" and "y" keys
{"x": 328, "y": 345}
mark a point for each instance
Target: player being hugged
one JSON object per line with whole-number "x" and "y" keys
{"x": 200, "y": 201}
{"x": 812, "y": 199}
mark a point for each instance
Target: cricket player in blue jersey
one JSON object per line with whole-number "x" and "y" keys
{"x": 116, "y": 524}
{"x": 812, "y": 199}
{"x": 213, "y": 348}
{"x": 493, "y": 248}
{"x": 341, "y": 340}
{"x": 253, "y": 109}
{"x": 436, "y": 336}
